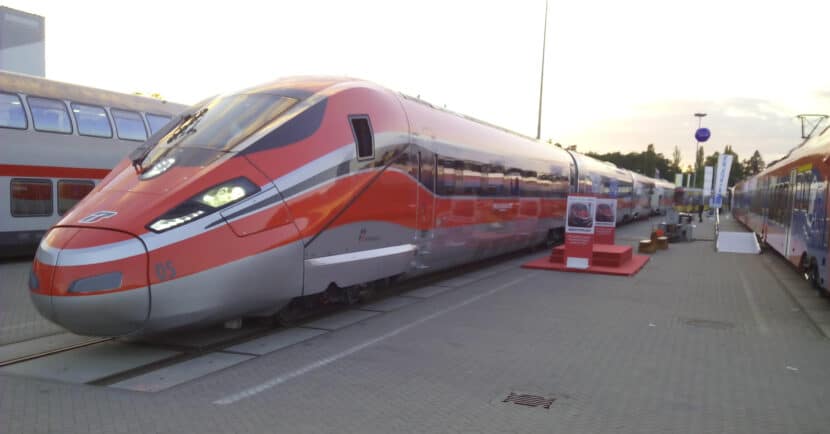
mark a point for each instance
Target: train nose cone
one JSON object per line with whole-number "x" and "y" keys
{"x": 92, "y": 281}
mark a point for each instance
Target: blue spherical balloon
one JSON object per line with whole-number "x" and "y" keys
{"x": 702, "y": 134}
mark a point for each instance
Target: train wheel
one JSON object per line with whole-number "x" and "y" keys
{"x": 815, "y": 279}
{"x": 804, "y": 266}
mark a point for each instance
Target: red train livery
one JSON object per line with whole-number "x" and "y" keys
{"x": 292, "y": 188}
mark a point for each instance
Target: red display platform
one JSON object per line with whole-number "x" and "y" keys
{"x": 606, "y": 259}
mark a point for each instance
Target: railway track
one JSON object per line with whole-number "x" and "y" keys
{"x": 33, "y": 356}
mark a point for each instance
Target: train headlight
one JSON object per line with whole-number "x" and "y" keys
{"x": 159, "y": 168}
{"x": 204, "y": 203}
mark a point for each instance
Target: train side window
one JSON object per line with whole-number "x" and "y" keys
{"x": 49, "y": 115}
{"x": 11, "y": 112}
{"x": 31, "y": 197}
{"x": 71, "y": 192}
{"x": 91, "y": 120}
{"x": 362, "y": 131}
{"x": 129, "y": 125}
{"x": 156, "y": 121}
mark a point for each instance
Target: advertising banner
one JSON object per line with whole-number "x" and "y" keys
{"x": 678, "y": 180}
{"x": 605, "y": 221}
{"x": 707, "y": 181}
{"x": 721, "y": 179}
{"x": 579, "y": 231}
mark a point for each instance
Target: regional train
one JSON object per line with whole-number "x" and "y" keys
{"x": 786, "y": 206}
{"x": 57, "y": 141}
{"x": 303, "y": 187}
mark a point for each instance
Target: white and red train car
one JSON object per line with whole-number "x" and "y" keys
{"x": 786, "y": 206}
{"x": 291, "y": 189}
{"x": 58, "y": 140}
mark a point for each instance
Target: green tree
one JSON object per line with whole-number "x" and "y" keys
{"x": 699, "y": 163}
{"x": 753, "y": 165}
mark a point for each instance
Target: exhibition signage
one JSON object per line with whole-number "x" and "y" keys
{"x": 605, "y": 221}
{"x": 579, "y": 231}
{"x": 707, "y": 181}
{"x": 721, "y": 179}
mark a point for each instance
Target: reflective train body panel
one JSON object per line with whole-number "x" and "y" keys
{"x": 286, "y": 189}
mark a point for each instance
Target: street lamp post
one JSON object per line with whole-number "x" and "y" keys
{"x": 699, "y": 117}
{"x": 542, "y": 78}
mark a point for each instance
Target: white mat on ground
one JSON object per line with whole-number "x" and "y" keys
{"x": 738, "y": 242}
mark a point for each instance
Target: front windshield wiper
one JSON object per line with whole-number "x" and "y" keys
{"x": 185, "y": 124}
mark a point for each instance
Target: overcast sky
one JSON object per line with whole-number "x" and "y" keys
{"x": 619, "y": 75}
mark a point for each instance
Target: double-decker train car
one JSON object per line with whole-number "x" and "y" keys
{"x": 298, "y": 187}
{"x": 57, "y": 141}
{"x": 786, "y": 206}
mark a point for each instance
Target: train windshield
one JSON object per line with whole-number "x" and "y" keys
{"x": 225, "y": 122}
{"x": 220, "y": 125}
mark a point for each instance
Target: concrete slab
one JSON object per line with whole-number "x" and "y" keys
{"x": 389, "y": 304}
{"x": 180, "y": 373}
{"x": 341, "y": 320}
{"x": 40, "y": 345}
{"x": 456, "y": 282}
{"x": 91, "y": 363}
{"x": 428, "y": 291}
{"x": 275, "y": 341}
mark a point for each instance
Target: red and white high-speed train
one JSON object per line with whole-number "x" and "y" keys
{"x": 288, "y": 189}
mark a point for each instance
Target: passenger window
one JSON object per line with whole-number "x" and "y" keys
{"x": 31, "y": 197}
{"x": 49, "y": 115}
{"x": 362, "y": 131}
{"x": 91, "y": 120}
{"x": 129, "y": 125}
{"x": 11, "y": 112}
{"x": 71, "y": 192}
{"x": 156, "y": 121}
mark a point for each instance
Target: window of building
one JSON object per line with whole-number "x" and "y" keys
{"x": 129, "y": 125}
{"x": 91, "y": 120}
{"x": 71, "y": 192}
{"x": 31, "y": 197}
{"x": 156, "y": 122}
{"x": 362, "y": 131}
{"x": 49, "y": 115}
{"x": 11, "y": 112}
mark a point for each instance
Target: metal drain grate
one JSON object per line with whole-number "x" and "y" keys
{"x": 529, "y": 400}
{"x": 707, "y": 323}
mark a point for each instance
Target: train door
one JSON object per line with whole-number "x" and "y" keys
{"x": 789, "y": 202}
{"x": 426, "y": 199}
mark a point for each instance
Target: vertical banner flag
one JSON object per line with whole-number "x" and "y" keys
{"x": 678, "y": 180}
{"x": 721, "y": 179}
{"x": 707, "y": 181}
{"x": 605, "y": 220}
{"x": 579, "y": 231}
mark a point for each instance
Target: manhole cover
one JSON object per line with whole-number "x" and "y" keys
{"x": 707, "y": 323}
{"x": 529, "y": 400}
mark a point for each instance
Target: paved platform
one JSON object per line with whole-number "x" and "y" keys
{"x": 697, "y": 342}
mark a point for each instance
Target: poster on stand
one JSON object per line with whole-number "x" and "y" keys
{"x": 605, "y": 221}
{"x": 579, "y": 231}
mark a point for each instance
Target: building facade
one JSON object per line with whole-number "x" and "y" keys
{"x": 22, "y": 47}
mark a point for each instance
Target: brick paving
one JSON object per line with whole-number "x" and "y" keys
{"x": 697, "y": 342}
